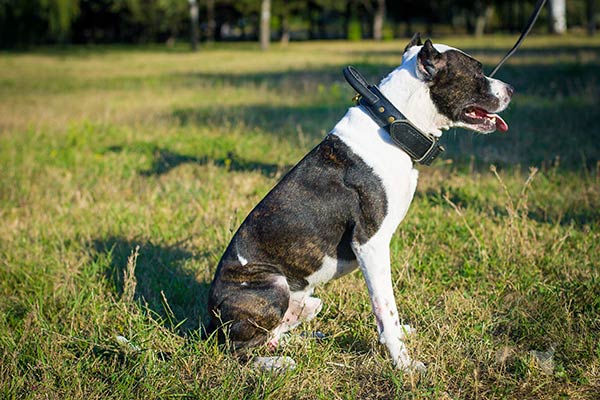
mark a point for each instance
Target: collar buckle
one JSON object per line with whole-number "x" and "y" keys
{"x": 420, "y": 147}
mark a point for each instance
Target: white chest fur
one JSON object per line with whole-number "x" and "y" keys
{"x": 392, "y": 165}
{"x": 331, "y": 268}
{"x": 388, "y": 162}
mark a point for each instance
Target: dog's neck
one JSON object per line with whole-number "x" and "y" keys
{"x": 410, "y": 95}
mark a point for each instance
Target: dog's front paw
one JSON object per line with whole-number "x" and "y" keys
{"x": 418, "y": 366}
{"x": 413, "y": 367}
{"x": 407, "y": 330}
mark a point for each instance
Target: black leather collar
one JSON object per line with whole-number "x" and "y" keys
{"x": 420, "y": 146}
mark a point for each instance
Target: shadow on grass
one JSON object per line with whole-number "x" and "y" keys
{"x": 552, "y": 114}
{"x": 352, "y": 343}
{"x": 539, "y": 133}
{"x": 298, "y": 78}
{"x": 161, "y": 273}
{"x": 577, "y": 216}
{"x": 286, "y": 122}
{"x": 165, "y": 160}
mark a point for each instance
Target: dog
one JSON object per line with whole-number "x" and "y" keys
{"x": 338, "y": 208}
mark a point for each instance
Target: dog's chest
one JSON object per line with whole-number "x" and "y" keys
{"x": 389, "y": 163}
{"x": 331, "y": 268}
{"x": 399, "y": 179}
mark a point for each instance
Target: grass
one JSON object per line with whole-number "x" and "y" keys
{"x": 126, "y": 170}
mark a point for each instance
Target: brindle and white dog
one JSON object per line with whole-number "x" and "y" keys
{"x": 338, "y": 208}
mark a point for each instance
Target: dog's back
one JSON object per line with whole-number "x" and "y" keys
{"x": 309, "y": 219}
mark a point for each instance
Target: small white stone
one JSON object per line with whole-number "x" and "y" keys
{"x": 277, "y": 364}
{"x": 122, "y": 340}
{"x": 544, "y": 360}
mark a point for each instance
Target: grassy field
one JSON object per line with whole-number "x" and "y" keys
{"x": 125, "y": 172}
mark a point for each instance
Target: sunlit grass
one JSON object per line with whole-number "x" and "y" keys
{"x": 106, "y": 149}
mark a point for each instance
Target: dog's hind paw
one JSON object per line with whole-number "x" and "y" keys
{"x": 413, "y": 367}
{"x": 275, "y": 364}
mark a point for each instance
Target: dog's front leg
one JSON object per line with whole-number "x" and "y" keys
{"x": 374, "y": 261}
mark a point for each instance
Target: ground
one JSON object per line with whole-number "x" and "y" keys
{"x": 126, "y": 170}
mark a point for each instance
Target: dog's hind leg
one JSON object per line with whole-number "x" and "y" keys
{"x": 251, "y": 309}
{"x": 302, "y": 307}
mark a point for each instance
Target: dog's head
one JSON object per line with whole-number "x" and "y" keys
{"x": 447, "y": 87}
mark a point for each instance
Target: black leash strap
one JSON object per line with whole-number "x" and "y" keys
{"x": 534, "y": 16}
{"x": 358, "y": 83}
{"x": 420, "y": 146}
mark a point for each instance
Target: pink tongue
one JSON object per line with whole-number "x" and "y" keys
{"x": 500, "y": 124}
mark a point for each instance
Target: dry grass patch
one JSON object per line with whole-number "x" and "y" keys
{"x": 109, "y": 151}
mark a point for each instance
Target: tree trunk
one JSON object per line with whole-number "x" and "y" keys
{"x": 354, "y": 27}
{"x": 194, "y": 12}
{"x": 409, "y": 28}
{"x": 591, "y": 17}
{"x": 265, "y": 24}
{"x": 378, "y": 20}
{"x": 510, "y": 13}
{"x": 558, "y": 16}
{"x": 285, "y": 30}
{"x": 481, "y": 20}
{"x": 347, "y": 18}
{"x": 211, "y": 23}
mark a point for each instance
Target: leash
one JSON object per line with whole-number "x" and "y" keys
{"x": 420, "y": 146}
{"x": 534, "y": 16}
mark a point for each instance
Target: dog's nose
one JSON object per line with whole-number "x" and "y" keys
{"x": 510, "y": 90}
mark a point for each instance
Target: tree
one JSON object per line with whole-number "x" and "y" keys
{"x": 353, "y": 22}
{"x": 558, "y": 16}
{"x": 61, "y": 14}
{"x": 478, "y": 13}
{"x": 211, "y": 23}
{"x": 591, "y": 17}
{"x": 378, "y": 11}
{"x": 285, "y": 9}
{"x": 194, "y": 14}
{"x": 265, "y": 24}
{"x": 482, "y": 18}
{"x": 378, "y": 20}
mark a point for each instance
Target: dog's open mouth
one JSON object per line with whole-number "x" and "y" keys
{"x": 483, "y": 121}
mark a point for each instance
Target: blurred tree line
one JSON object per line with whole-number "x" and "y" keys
{"x": 29, "y": 22}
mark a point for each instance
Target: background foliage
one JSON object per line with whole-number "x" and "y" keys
{"x": 26, "y": 22}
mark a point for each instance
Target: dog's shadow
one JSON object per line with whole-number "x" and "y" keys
{"x": 164, "y": 160}
{"x": 165, "y": 280}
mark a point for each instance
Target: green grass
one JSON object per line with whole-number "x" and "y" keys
{"x": 107, "y": 150}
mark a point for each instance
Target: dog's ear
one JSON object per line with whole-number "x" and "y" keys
{"x": 429, "y": 61}
{"x": 414, "y": 41}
